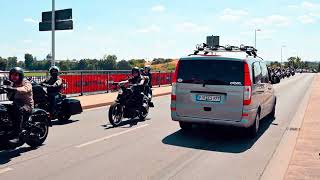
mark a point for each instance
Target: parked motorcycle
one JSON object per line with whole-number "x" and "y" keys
{"x": 131, "y": 102}
{"x": 66, "y": 107}
{"x": 34, "y": 128}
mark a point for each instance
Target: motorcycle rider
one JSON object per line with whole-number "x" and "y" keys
{"x": 20, "y": 92}
{"x": 147, "y": 72}
{"x": 54, "y": 86}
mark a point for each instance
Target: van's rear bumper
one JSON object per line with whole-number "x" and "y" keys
{"x": 244, "y": 122}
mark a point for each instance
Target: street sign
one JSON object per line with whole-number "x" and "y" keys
{"x": 64, "y": 14}
{"x": 59, "y": 25}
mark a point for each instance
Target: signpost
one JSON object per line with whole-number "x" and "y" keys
{"x": 62, "y": 21}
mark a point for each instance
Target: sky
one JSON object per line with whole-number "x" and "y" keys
{"x": 162, "y": 28}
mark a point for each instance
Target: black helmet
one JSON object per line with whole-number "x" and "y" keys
{"x": 54, "y": 68}
{"x": 135, "y": 69}
{"x": 147, "y": 68}
{"x": 17, "y": 70}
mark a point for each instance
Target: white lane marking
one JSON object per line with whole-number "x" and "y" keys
{"x": 4, "y": 170}
{"x": 110, "y": 136}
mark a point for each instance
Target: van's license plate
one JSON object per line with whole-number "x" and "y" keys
{"x": 208, "y": 98}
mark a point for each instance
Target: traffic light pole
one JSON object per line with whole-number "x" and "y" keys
{"x": 53, "y": 34}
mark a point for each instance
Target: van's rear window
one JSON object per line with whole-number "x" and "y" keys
{"x": 211, "y": 72}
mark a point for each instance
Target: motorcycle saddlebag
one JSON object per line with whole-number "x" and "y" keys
{"x": 71, "y": 106}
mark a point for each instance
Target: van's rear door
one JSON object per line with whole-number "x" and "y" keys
{"x": 210, "y": 88}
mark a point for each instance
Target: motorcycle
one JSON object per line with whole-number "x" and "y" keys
{"x": 131, "y": 102}
{"x": 34, "y": 127}
{"x": 66, "y": 107}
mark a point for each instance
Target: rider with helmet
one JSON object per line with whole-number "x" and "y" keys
{"x": 54, "y": 86}
{"x": 147, "y": 72}
{"x": 20, "y": 92}
{"x": 136, "y": 78}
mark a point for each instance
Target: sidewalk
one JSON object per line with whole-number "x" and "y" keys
{"x": 98, "y": 100}
{"x": 305, "y": 160}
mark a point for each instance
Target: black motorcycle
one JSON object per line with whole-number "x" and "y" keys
{"x": 66, "y": 107}
{"x": 131, "y": 102}
{"x": 34, "y": 128}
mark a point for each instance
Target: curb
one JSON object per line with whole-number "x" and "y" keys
{"x": 109, "y": 103}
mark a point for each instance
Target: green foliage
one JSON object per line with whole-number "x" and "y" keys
{"x": 160, "y": 61}
{"x": 28, "y": 60}
{"x": 123, "y": 65}
{"x": 137, "y": 63}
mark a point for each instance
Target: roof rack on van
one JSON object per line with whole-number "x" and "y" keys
{"x": 251, "y": 51}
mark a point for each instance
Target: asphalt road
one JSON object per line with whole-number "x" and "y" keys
{"x": 89, "y": 148}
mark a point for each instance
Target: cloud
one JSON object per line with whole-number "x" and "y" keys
{"x": 273, "y": 20}
{"x": 310, "y": 6}
{"x": 30, "y": 20}
{"x": 152, "y": 28}
{"x": 27, "y": 41}
{"x": 306, "y": 19}
{"x": 158, "y": 8}
{"x": 232, "y": 14}
{"x": 90, "y": 28}
{"x": 293, "y": 6}
{"x": 191, "y": 27}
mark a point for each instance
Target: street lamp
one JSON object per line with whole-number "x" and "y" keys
{"x": 281, "y": 53}
{"x": 255, "y": 37}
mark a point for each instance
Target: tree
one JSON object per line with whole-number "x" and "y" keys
{"x": 12, "y": 62}
{"x": 123, "y": 65}
{"x": 108, "y": 62}
{"x": 82, "y": 65}
{"x": 28, "y": 60}
{"x": 3, "y": 64}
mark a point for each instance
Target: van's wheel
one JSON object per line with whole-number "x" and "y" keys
{"x": 253, "y": 130}
{"x": 185, "y": 126}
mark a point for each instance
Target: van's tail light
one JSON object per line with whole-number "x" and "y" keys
{"x": 174, "y": 86}
{"x": 247, "y": 85}
{"x": 173, "y": 97}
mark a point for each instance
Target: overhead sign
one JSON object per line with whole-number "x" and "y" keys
{"x": 60, "y": 15}
{"x": 63, "y": 20}
{"x": 59, "y": 25}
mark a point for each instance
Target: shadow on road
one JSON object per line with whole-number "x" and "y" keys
{"x": 58, "y": 123}
{"x": 217, "y": 138}
{"x": 130, "y": 122}
{"x": 7, "y": 155}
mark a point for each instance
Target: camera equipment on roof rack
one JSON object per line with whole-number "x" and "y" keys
{"x": 251, "y": 51}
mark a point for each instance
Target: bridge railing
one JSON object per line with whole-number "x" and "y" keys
{"x": 77, "y": 83}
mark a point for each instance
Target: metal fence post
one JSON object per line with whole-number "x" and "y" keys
{"x": 170, "y": 77}
{"x": 81, "y": 83}
{"x": 108, "y": 87}
{"x": 159, "y": 79}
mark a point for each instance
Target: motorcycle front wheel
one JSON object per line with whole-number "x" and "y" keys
{"x": 39, "y": 130}
{"x": 115, "y": 114}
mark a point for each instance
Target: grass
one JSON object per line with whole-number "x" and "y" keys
{"x": 35, "y": 74}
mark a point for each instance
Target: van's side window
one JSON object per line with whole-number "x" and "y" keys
{"x": 257, "y": 76}
{"x": 265, "y": 74}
